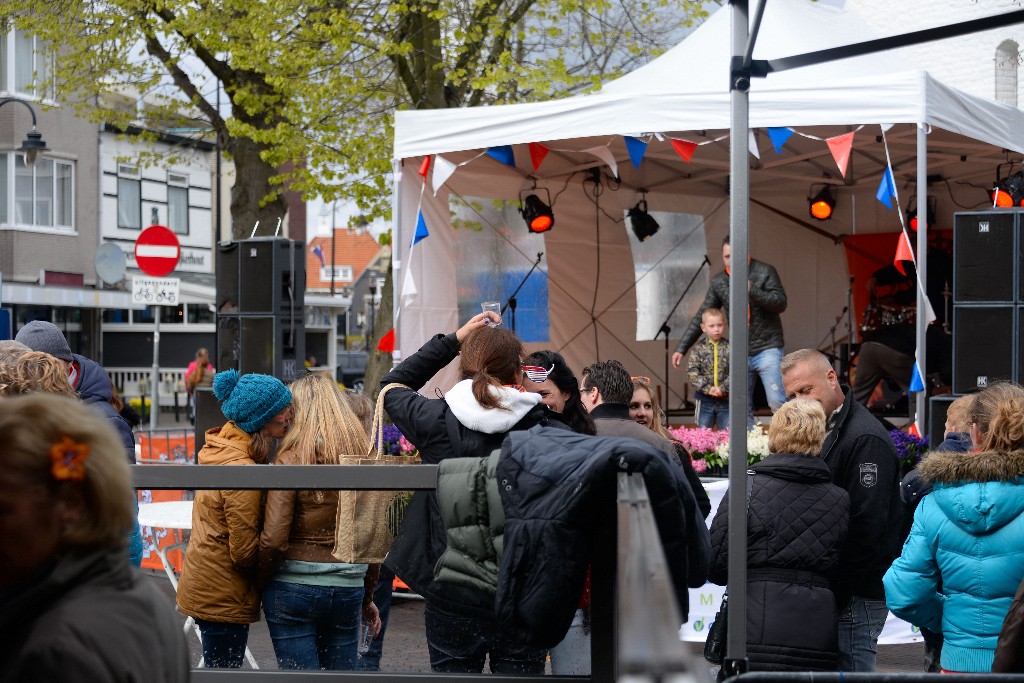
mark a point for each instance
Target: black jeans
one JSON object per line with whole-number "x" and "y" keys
{"x": 459, "y": 643}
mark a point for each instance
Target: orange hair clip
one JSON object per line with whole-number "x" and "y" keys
{"x": 67, "y": 459}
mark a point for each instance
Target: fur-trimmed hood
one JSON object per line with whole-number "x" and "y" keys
{"x": 979, "y": 492}
{"x": 949, "y": 467}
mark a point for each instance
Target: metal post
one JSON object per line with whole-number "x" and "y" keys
{"x": 154, "y": 403}
{"x": 334, "y": 230}
{"x": 739, "y": 206}
{"x": 922, "y": 273}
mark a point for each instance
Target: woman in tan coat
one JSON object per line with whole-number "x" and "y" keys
{"x": 218, "y": 584}
{"x": 313, "y": 602}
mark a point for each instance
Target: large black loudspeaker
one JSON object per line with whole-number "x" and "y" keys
{"x": 937, "y": 408}
{"x": 260, "y": 294}
{"x": 988, "y": 300}
{"x": 985, "y": 257}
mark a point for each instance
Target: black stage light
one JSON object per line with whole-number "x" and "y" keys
{"x": 537, "y": 214}
{"x": 643, "y": 223}
{"x": 822, "y": 204}
{"x": 1009, "y": 191}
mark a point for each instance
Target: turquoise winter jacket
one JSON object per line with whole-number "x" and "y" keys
{"x": 964, "y": 558}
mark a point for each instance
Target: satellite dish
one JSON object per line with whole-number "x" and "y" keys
{"x": 110, "y": 263}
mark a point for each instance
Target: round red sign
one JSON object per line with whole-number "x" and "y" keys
{"x": 157, "y": 251}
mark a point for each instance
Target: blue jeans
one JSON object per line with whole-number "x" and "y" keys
{"x": 313, "y": 627}
{"x": 860, "y": 623}
{"x": 223, "y": 643}
{"x": 370, "y": 660}
{"x": 712, "y": 411}
{"x": 458, "y": 644}
{"x": 765, "y": 364}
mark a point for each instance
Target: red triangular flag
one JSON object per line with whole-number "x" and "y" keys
{"x": 903, "y": 253}
{"x": 537, "y": 154}
{"x": 387, "y": 342}
{"x": 684, "y": 148}
{"x": 425, "y": 167}
{"x": 912, "y": 430}
{"x": 840, "y": 146}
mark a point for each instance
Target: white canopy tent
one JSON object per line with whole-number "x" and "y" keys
{"x": 683, "y": 96}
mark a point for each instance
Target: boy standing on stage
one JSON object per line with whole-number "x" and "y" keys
{"x": 708, "y": 369}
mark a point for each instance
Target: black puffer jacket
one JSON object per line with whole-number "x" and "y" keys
{"x": 863, "y": 460}
{"x": 433, "y": 427}
{"x": 767, "y": 301}
{"x": 796, "y": 523}
{"x": 556, "y": 486}
{"x": 94, "y": 388}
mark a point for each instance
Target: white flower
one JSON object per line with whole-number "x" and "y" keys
{"x": 757, "y": 446}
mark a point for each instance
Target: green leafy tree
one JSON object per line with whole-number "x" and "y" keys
{"x": 310, "y": 85}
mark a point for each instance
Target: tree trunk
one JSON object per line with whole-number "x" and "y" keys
{"x": 378, "y": 363}
{"x": 245, "y": 196}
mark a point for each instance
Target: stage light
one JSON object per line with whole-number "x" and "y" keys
{"x": 537, "y": 214}
{"x": 822, "y": 204}
{"x": 643, "y": 223}
{"x": 1009, "y": 191}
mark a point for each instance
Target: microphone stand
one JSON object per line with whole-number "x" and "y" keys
{"x": 665, "y": 329}
{"x": 511, "y": 303}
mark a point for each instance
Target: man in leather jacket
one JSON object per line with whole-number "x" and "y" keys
{"x": 764, "y": 351}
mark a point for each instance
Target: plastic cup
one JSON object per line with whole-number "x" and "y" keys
{"x": 365, "y": 637}
{"x": 494, "y": 306}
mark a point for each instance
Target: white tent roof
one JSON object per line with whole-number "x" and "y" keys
{"x": 687, "y": 89}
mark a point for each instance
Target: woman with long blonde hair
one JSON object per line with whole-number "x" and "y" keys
{"x": 313, "y": 602}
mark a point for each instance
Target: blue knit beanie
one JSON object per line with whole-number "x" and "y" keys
{"x": 250, "y": 401}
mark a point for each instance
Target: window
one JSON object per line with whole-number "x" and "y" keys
{"x": 44, "y": 195}
{"x": 129, "y": 198}
{"x": 1007, "y": 60}
{"x": 33, "y": 66}
{"x": 177, "y": 203}
{"x": 341, "y": 274}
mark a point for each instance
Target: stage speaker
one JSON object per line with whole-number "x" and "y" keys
{"x": 983, "y": 346}
{"x": 985, "y": 256}
{"x": 937, "y": 407}
{"x": 208, "y": 416}
{"x": 265, "y": 275}
{"x": 267, "y": 344}
{"x": 261, "y": 286}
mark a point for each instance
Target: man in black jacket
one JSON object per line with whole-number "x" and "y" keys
{"x": 863, "y": 460}
{"x": 764, "y": 349}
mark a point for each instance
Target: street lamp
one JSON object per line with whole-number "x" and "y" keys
{"x": 33, "y": 143}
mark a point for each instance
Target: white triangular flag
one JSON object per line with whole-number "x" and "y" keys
{"x": 443, "y": 170}
{"x": 605, "y": 155}
{"x": 752, "y": 144}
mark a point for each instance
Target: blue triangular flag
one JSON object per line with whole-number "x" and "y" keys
{"x": 636, "y": 148}
{"x": 319, "y": 253}
{"x": 916, "y": 382}
{"x": 421, "y": 230}
{"x": 886, "y": 188}
{"x": 503, "y": 154}
{"x": 779, "y": 137}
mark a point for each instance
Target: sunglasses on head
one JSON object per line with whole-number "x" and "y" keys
{"x": 537, "y": 374}
{"x": 641, "y": 379}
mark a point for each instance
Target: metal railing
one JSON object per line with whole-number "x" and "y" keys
{"x": 634, "y": 618}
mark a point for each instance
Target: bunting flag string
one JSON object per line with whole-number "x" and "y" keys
{"x": 779, "y": 137}
{"x": 636, "y": 148}
{"x": 840, "y": 146}
{"x": 424, "y": 167}
{"x": 537, "y": 154}
{"x": 504, "y": 154}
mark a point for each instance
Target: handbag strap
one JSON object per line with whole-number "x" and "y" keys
{"x": 377, "y": 430}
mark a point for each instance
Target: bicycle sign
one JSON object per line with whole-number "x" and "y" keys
{"x": 156, "y": 291}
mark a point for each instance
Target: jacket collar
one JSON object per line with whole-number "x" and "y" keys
{"x": 464, "y": 406}
{"x": 950, "y": 467}
{"x": 613, "y": 411}
{"x": 840, "y": 420}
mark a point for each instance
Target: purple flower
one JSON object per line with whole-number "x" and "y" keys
{"x": 909, "y": 448}
{"x": 392, "y": 436}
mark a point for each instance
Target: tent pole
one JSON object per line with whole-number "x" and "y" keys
{"x": 922, "y": 272}
{"x": 397, "y": 267}
{"x": 735, "y": 661}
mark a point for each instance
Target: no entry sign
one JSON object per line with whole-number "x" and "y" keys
{"x": 157, "y": 251}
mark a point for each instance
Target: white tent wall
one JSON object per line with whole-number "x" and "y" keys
{"x": 675, "y": 97}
